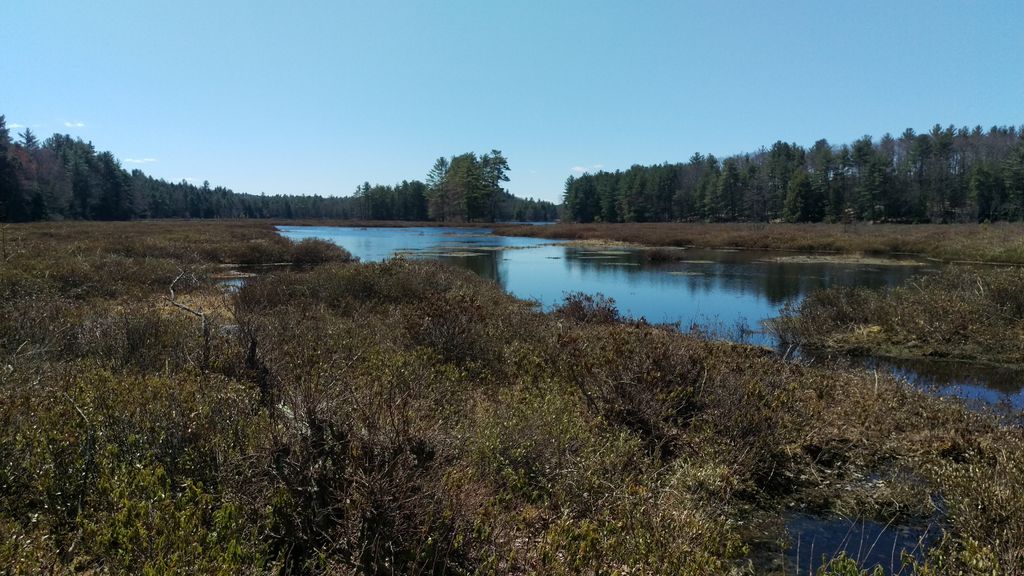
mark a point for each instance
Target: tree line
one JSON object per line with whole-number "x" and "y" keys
{"x": 945, "y": 175}
{"x": 66, "y": 178}
{"x": 462, "y": 188}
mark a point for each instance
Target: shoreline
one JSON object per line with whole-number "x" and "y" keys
{"x": 995, "y": 244}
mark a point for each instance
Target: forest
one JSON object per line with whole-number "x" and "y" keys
{"x": 65, "y": 178}
{"x": 945, "y": 175}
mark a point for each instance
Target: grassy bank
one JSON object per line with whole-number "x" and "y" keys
{"x": 193, "y": 243}
{"x": 406, "y": 417}
{"x": 987, "y": 243}
{"x": 973, "y": 314}
{"x": 380, "y": 223}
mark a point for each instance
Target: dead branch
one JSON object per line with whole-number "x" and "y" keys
{"x": 197, "y": 313}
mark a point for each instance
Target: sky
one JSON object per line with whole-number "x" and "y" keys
{"x": 316, "y": 97}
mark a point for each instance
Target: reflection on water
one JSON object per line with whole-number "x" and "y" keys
{"x": 716, "y": 287}
{"x": 815, "y": 539}
{"x": 978, "y": 384}
{"x": 982, "y": 386}
{"x": 376, "y": 244}
{"x": 731, "y": 292}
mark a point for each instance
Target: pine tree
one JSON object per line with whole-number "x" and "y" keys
{"x": 729, "y": 195}
{"x": 437, "y": 191}
{"x": 797, "y": 198}
{"x": 28, "y": 140}
{"x": 13, "y": 207}
{"x": 1013, "y": 178}
{"x": 467, "y": 194}
{"x": 494, "y": 168}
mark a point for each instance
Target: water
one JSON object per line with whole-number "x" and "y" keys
{"x": 712, "y": 288}
{"x": 980, "y": 386}
{"x": 726, "y": 293}
{"x": 816, "y": 539}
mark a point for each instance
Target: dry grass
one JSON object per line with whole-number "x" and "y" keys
{"x": 406, "y": 417}
{"x": 985, "y": 243}
{"x": 964, "y": 313}
{"x": 379, "y": 223}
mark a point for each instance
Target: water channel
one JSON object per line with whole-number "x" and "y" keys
{"x": 725, "y": 293}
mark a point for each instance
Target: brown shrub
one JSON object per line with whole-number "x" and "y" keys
{"x": 961, "y": 313}
{"x": 587, "y": 308}
{"x": 315, "y": 251}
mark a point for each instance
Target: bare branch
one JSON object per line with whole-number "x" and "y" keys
{"x": 197, "y": 313}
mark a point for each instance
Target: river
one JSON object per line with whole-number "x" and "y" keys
{"x": 724, "y": 293}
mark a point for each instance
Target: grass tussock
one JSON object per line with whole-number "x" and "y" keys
{"x": 405, "y": 417}
{"x": 1001, "y": 243}
{"x": 962, "y": 313}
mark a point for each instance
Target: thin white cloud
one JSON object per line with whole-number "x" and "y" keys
{"x": 140, "y": 160}
{"x": 582, "y": 169}
{"x": 74, "y": 124}
{"x": 598, "y": 166}
{"x": 579, "y": 169}
{"x": 13, "y": 125}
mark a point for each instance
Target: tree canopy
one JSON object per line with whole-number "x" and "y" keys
{"x": 945, "y": 175}
{"x": 65, "y": 178}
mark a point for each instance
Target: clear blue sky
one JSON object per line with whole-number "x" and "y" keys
{"x": 315, "y": 97}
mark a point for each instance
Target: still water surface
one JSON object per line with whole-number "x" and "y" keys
{"x": 715, "y": 288}
{"x": 727, "y": 293}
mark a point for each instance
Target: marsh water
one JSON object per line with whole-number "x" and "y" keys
{"x": 728, "y": 294}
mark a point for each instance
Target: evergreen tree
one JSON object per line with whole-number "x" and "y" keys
{"x": 38, "y": 209}
{"x": 467, "y": 195}
{"x": 1013, "y": 178}
{"x": 28, "y": 140}
{"x": 13, "y": 207}
{"x": 607, "y": 202}
{"x": 729, "y": 192}
{"x": 800, "y": 204}
{"x": 494, "y": 170}
{"x": 706, "y": 196}
{"x": 437, "y": 191}
{"x": 822, "y": 164}
{"x": 984, "y": 192}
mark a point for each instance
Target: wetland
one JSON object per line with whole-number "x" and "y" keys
{"x": 396, "y": 415}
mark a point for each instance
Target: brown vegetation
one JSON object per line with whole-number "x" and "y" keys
{"x": 407, "y": 417}
{"x": 964, "y": 313}
{"x": 358, "y": 223}
{"x": 984, "y": 243}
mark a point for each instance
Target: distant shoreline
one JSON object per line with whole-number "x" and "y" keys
{"x": 1001, "y": 243}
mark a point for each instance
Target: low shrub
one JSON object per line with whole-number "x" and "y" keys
{"x": 312, "y": 251}
{"x": 407, "y": 417}
{"x": 581, "y": 307}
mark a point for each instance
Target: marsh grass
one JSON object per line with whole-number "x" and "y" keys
{"x": 406, "y": 417}
{"x": 971, "y": 314}
{"x": 999, "y": 243}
